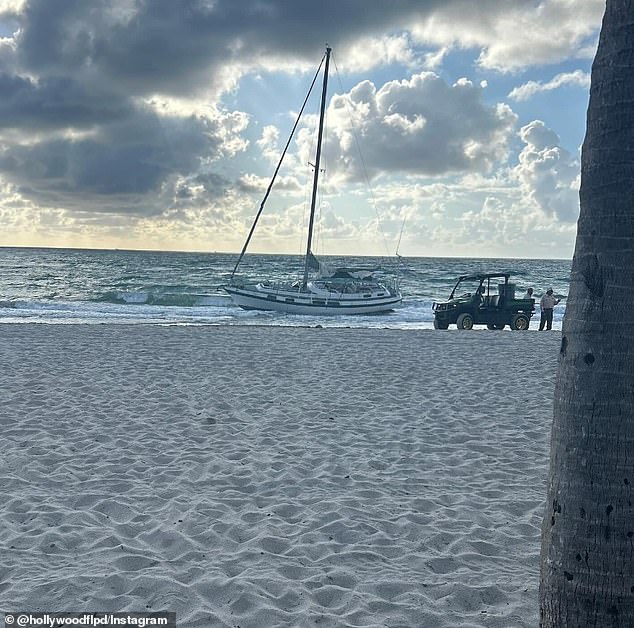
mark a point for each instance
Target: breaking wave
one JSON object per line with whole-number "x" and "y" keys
{"x": 176, "y": 299}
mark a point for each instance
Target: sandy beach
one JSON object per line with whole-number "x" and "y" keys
{"x": 256, "y": 477}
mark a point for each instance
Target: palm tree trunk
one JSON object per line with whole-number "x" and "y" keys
{"x": 587, "y": 564}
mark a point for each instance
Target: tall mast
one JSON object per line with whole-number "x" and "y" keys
{"x": 316, "y": 175}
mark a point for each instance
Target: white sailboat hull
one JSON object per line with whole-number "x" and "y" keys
{"x": 258, "y": 297}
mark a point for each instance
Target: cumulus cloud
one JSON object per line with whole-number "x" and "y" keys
{"x": 496, "y": 222}
{"x": 529, "y": 208}
{"x": 578, "y": 78}
{"x": 548, "y": 174}
{"x": 422, "y": 125}
{"x": 515, "y": 35}
{"x": 368, "y": 52}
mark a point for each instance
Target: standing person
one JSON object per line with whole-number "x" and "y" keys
{"x": 547, "y": 304}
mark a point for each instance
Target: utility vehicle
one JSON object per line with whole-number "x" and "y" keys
{"x": 484, "y": 299}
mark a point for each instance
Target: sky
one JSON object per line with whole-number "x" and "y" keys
{"x": 453, "y": 127}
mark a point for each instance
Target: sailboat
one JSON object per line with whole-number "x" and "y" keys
{"x": 326, "y": 290}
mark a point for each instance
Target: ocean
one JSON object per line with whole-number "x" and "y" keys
{"x": 58, "y": 286}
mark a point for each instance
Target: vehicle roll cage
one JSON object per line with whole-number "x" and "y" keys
{"x": 481, "y": 278}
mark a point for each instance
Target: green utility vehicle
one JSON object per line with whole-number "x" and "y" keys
{"x": 477, "y": 300}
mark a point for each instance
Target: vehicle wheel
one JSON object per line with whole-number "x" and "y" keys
{"x": 500, "y": 326}
{"x": 438, "y": 325}
{"x": 491, "y": 326}
{"x": 465, "y": 321}
{"x": 520, "y": 322}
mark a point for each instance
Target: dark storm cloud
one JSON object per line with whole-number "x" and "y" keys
{"x": 57, "y": 102}
{"x": 74, "y": 132}
{"x": 164, "y": 45}
{"x": 134, "y": 158}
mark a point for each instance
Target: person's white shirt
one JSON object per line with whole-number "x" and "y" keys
{"x": 548, "y": 302}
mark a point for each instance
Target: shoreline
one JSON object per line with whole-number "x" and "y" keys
{"x": 267, "y": 475}
{"x": 424, "y": 326}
